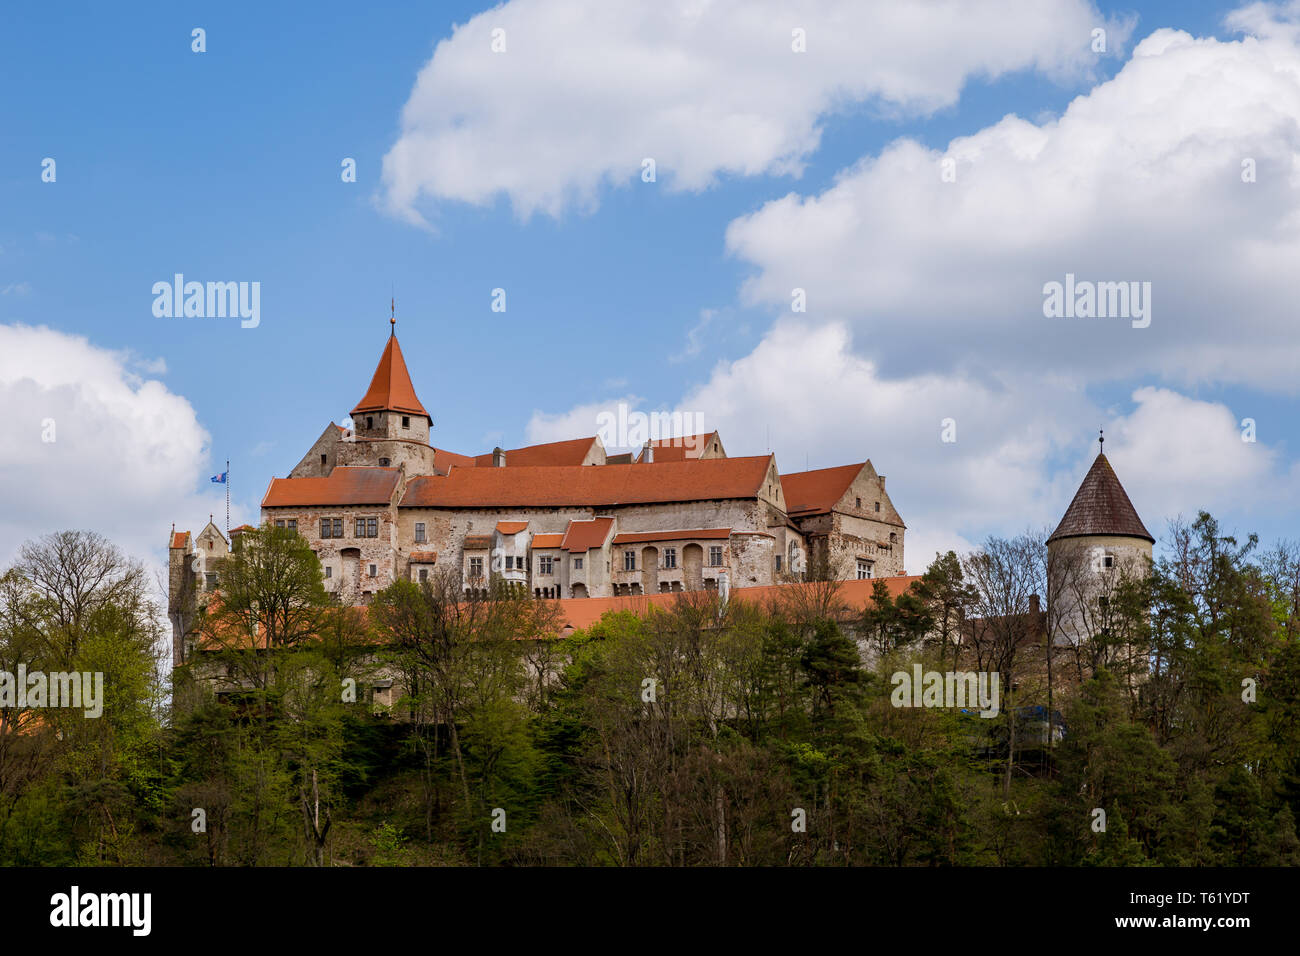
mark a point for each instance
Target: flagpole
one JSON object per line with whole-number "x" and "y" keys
{"x": 227, "y": 499}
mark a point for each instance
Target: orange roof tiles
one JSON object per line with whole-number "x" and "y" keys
{"x": 695, "y": 480}
{"x": 477, "y": 542}
{"x": 569, "y": 452}
{"x": 584, "y": 535}
{"x": 391, "y": 388}
{"x": 443, "y": 460}
{"x": 547, "y": 540}
{"x": 633, "y": 537}
{"x": 817, "y": 491}
{"x": 678, "y": 449}
{"x": 424, "y": 557}
{"x": 581, "y": 613}
{"x": 511, "y": 527}
{"x": 344, "y": 486}
{"x": 179, "y": 538}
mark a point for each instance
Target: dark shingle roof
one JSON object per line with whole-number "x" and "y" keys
{"x": 1101, "y": 507}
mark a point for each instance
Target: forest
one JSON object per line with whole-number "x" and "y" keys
{"x": 432, "y": 729}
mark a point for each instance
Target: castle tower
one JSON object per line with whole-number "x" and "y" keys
{"x": 390, "y": 407}
{"x": 390, "y": 425}
{"x": 1100, "y": 542}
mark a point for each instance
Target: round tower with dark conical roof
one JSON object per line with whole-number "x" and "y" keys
{"x": 1100, "y": 541}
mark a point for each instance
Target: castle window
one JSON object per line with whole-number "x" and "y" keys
{"x": 372, "y": 527}
{"x": 384, "y": 462}
{"x": 325, "y": 528}
{"x": 778, "y": 563}
{"x": 210, "y": 581}
{"x": 1108, "y": 560}
{"x": 864, "y": 569}
{"x": 361, "y": 528}
{"x": 577, "y": 564}
{"x": 476, "y": 567}
{"x": 629, "y": 560}
{"x": 859, "y": 500}
{"x": 893, "y": 539}
{"x": 370, "y": 421}
{"x": 877, "y": 505}
{"x": 419, "y": 532}
{"x": 424, "y": 574}
{"x": 292, "y": 524}
{"x": 715, "y": 555}
{"x": 670, "y": 557}
{"x": 329, "y": 572}
{"x": 374, "y": 571}
{"x": 406, "y": 421}
{"x": 338, "y": 527}
{"x": 322, "y": 460}
{"x": 279, "y": 523}
{"x": 546, "y": 564}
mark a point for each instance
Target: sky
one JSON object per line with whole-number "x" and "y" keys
{"x": 920, "y": 172}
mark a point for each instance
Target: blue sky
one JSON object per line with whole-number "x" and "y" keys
{"x": 225, "y": 165}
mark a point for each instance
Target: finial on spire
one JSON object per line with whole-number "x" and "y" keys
{"x": 393, "y": 318}
{"x": 1101, "y": 440}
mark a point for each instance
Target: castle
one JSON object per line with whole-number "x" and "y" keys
{"x": 378, "y": 502}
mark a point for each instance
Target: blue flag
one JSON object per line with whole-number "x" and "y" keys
{"x": 220, "y": 479}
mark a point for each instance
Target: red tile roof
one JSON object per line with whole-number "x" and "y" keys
{"x": 678, "y": 449}
{"x": 583, "y": 535}
{"x": 816, "y": 492}
{"x": 179, "y": 538}
{"x": 424, "y": 557}
{"x": 1101, "y": 507}
{"x": 443, "y": 460}
{"x": 633, "y": 537}
{"x": 511, "y": 527}
{"x": 547, "y": 540}
{"x": 242, "y": 528}
{"x": 569, "y": 452}
{"x": 344, "y": 486}
{"x": 581, "y": 613}
{"x": 695, "y": 480}
{"x": 477, "y": 542}
{"x": 391, "y": 388}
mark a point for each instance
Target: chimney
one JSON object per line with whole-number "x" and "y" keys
{"x": 649, "y": 454}
{"x": 1034, "y": 606}
{"x": 498, "y": 458}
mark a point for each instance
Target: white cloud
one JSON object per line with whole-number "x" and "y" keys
{"x": 1140, "y": 179}
{"x": 127, "y": 453}
{"x": 1181, "y": 454}
{"x": 586, "y": 89}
